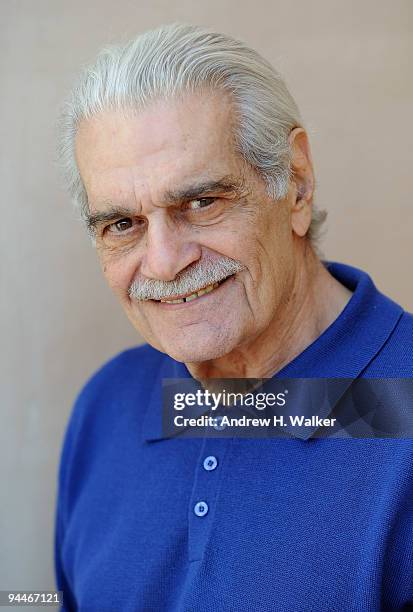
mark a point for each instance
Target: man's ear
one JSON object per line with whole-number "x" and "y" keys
{"x": 302, "y": 181}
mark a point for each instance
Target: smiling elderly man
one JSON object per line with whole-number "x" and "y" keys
{"x": 187, "y": 157}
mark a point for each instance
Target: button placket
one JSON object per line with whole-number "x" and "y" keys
{"x": 208, "y": 478}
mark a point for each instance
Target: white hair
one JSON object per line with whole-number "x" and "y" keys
{"x": 175, "y": 59}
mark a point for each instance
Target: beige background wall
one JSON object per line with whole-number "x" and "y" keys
{"x": 348, "y": 65}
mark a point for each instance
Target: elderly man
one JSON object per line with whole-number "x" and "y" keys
{"x": 187, "y": 158}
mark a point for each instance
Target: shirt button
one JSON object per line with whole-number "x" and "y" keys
{"x": 201, "y": 508}
{"x": 210, "y": 463}
{"x": 219, "y": 425}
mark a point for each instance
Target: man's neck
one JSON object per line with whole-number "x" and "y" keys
{"x": 318, "y": 300}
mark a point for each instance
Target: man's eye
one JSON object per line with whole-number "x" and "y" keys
{"x": 120, "y": 226}
{"x": 200, "y": 203}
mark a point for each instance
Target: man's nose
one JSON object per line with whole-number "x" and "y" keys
{"x": 167, "y": 251}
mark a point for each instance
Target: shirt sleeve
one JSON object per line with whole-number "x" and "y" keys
{"x": 62, "y": 578}
{"x": 62, "y": 582}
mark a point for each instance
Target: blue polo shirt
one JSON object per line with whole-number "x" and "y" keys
{"x": 147, "y": 523}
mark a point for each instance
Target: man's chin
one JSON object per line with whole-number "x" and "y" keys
{"x": 195, "y": 353}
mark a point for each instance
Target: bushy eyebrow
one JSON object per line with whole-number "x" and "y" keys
{"x": 225, "y": 185}
{"x": 112, "y": 213}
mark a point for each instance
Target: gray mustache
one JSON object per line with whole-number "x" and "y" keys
{"x": 204, "y": 273}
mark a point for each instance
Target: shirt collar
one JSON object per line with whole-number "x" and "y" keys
{"x": 343, "y": 350}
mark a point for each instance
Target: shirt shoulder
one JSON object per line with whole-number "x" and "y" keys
{"x": 118, "y": 390}
{"x": 125, "y": 380}
{"x": 130, "y": 367}
{"x": 113, "y": 401}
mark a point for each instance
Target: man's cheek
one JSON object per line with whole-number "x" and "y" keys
{"x": 118, "y": 278}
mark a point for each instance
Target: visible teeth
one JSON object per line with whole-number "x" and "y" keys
{"x": 189, "y": 298}
{"x": 207, "y": 289}
{"x": 193, "y": 296}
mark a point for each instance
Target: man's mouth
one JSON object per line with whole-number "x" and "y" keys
{"x": 193, "y": 296}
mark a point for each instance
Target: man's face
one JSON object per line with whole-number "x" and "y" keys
{"x": 174, "y": 205}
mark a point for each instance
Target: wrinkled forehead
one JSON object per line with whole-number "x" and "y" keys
{"x": 159, "y": 148}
